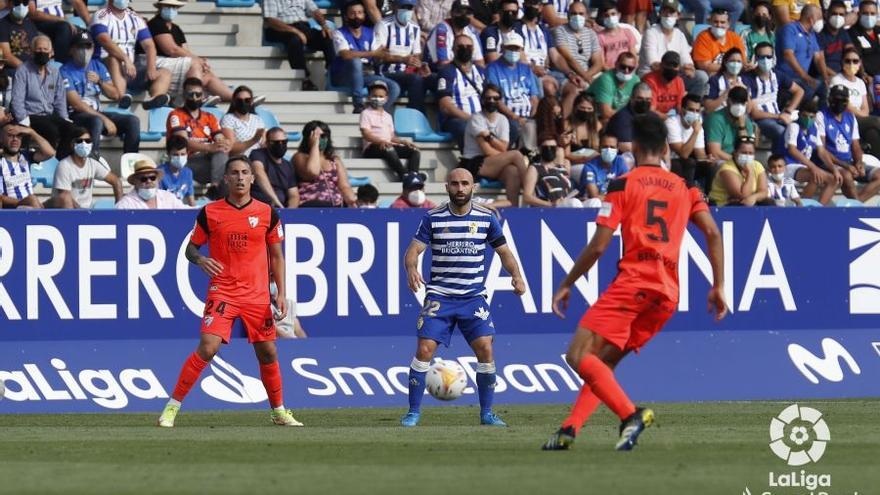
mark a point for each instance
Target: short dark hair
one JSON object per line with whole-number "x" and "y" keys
{"x": 730, "y": 53}
{"x": 810, "y": 105}
{"x": 193, "y": 81}
{"x": 368, "y": 193}
{"x": 175, "y": 142}
{"x": 491, "y": 87}
{"x": 273, "y": 130}
{"x": 691, "y": 97}
{"x": 775, "y": 157}
{"x": 504, "y": 2}
{"x": 718, "y": 11}
{"x": 649, "y": 131}
{"x": 867, "y": 2}
{"x": 741, "y": 140}
{"x": 738, "y": 94}
{"x": 351, "y": 3}
{"x": 763, "y": 44}
{"x": 837, "y": 3}
{"x": 761, "y": 3}
{"x": 76, "y": 132}
{"x": 310, "y": 126}
{"x": 238, "y": 158}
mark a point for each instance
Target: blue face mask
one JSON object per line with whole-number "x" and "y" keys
{"x": 147, "y": 194}
{"x": 20, "y": 11}
{"x": 82, "y": 150}
{"x": 511, "y": 56}
{"x": 178, "y": 161}
{"x": 608, "y": 154}
{"x": 577, "y": 22}
{"x": 168, "y": 13}
{"x": 404, "y": 16}
{"x": 733, "y": 67}
{"x": 765, "y": 64}
{"x": 120, "y": 4}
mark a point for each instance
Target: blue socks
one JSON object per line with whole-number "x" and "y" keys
{"x": 485, "y": 386}
{"x": 417, "y": 371}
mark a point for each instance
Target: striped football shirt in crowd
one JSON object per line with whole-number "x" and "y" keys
{"x": 15, "y": 177}
{"x": 401, "y": 41}
{"x": 126, "y": 32}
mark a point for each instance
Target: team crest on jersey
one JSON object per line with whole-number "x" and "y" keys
{"x": 420, "y": 323}
{"x": 441, "y": 84}
{"x": 253, "y": 221}
{"x": 472, "y": 228}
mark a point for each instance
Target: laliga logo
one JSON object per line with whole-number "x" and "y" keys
{"x": 799, "y": 435}
{"x": 230, "y": 385}
{"x": 864, "y": 271}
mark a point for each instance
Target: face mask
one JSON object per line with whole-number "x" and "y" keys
{"x": 168, "y": 13}
{"x": 376, "y": 102}
{"x": 765, "y": 64}
{"x": 641, "y": 107}
{"x": 322, "y": 144}
{"x": 612, "y": 21}
{"x": 461, "y": 21}
{"x": 806, "y": 123}
{"x": 738, "y": 110}
{"x": 851, "y": 69}
{"x": 548, "y": 154}
{"x": 868, "y": 21}
{"x": 404, "y": 16}
{"x": 623, "y": 76}
{"x": 241, "y": 106}
{"x": 41, "y": 58}
{"x": 490, "y": 106}
{"x": 416, "y": 198}
{"x": 577, "y": 22}
{"x": 82, "y": 150}
{"x": 733, "y": 67}
{"x": 278, "y": 150}
{"x": 778, "y": 177}
{"x": 818, "y": 26}
{"x": 508, "y": 18}
{"x": 608, "y": 154}
{"x": 355, "y": 23}
{"x": 511, "y": 56}
{"x": 760, "y": 22}
{"x": 583, "y": 115}
{"x": 668, "y": 23}
{"x": 691, "y": 117}
{"x": 191, "y": 104}
{"x": 719, "y": 32}
{"x": 20, "y": 11}
{"x": 836, "y": 21}
{"x": 120, "y": 4}
{"x": 531, "y": 13}
{"x": 669, "y": 73}
{"x": 147, "y": 194}
{"x": 744, "y": 160}
{"x": 177, "y": 161}
{"x": 463, "y": 54}
{"x": 838, "y": 107}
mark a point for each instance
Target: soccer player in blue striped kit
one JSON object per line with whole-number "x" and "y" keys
{"x": 458, "y": 233}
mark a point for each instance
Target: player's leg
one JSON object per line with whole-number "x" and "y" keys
{"x": 259, "y": 323}
{"x": 482, "y": 347}
{"x": 433, "y": 328}
{"x": 192, "y": 368}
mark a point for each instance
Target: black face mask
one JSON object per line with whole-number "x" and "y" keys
{"x": 838, "y": 106}
{"x": 641, "y": 107}
{"x": 192, "y": 104}
{"x": 760, "y": 22}
{"x": 490, "y": 106}
{"x": 41, "y": 58}
{"x": 531, "y": 13}
{"x": 583, "y": 115}
{"x": 508, "y": 18}
{"x": 277, "y": 150}
{"x": 461, "y": 21}
{"x": 669, "y": 73}
{"x": 463, "y": 54}
{"x": 241, "y": 106}
{"x": 548, "y": 153}
{"x": 355, "y": 23}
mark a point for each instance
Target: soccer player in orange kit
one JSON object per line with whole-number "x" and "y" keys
{"x": 653, "y": 207}
{"x": 244, "y": 239}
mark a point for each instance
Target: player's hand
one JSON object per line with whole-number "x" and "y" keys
{"x": 210, "y": 266}
{"x": 519, "y": 286}
{"x": 415, "y": 280}
{"x": 717, "y": 304}
{"x": 280, "y": 308}
{"x": 560, "y": 300}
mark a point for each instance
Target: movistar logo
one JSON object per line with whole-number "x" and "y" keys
{"x": 828, "y": 366}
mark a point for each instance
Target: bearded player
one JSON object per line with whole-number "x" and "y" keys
{"x": 459, "y": 234}
{"x": 244, "y": 240}
{"x": 653, "y": 207}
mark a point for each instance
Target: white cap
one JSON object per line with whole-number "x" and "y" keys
{"x": 512, "y": 39}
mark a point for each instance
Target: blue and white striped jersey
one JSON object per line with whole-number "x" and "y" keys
{"x": 538, "y": 43}
{"x": 765, "y": 92}
{"x": 453, "y": 83}
{"x": 399, "y": 40}
{"x": 51, "y": 7}
{"x": 561, "y": 6}
{"x": 126, "y": 32}
{"x": 15, "y": 177}
{"x": 458, "y": 249}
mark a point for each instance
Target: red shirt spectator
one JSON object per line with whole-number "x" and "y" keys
{"x": 666, "y": 84}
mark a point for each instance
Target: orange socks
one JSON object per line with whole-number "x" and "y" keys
{"x": 586, "y": 403}
{"x": 271, "y": 376}
{"x": 600, "y": 379}
{"x": 189, "y": 375}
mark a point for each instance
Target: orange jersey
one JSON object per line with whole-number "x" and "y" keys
{"x": 238, "y": 238}
{"x": 201, "y": 129}
{"x": 707, "y": 48}
{"x": 654, "y": 206}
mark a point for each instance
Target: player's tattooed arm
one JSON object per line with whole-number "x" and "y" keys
{"x": 508, "y": 261}
{"x": 411, "y": 262}
{"x": 208, "y": 265}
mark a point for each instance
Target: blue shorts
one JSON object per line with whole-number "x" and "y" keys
{"x": 440, "y": 315}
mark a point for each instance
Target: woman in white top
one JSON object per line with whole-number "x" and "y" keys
{"x": 241, "y": 126}
{"x": 859, "y": 105}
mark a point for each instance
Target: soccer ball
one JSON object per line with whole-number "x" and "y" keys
{"x": 446, "y": 380}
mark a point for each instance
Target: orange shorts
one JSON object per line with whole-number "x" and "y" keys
{"x": 628, "y": 317}
{"x": 631, "y": 7}
{"x": 257, "y": 319}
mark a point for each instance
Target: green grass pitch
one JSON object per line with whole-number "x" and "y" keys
{"x": 697, "y": 448}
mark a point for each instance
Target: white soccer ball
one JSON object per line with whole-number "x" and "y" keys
{"x": 446, "y": 380}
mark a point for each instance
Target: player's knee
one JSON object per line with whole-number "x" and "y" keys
{"x": 424, "y": 351}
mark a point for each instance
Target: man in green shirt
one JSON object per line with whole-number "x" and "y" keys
{"x": 613, "y": 88}
{"x": 726, "y": 124}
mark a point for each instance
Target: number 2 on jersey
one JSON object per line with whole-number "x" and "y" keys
{"x": 653, "y": 218}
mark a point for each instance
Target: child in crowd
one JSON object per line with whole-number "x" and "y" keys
{"x": 377, "y": 129}
{"x": 782, "y": 189}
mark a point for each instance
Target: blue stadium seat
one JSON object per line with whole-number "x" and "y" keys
{"x": 236, "y": 3}
{"x": 323, "y": 4}
{"x": 104, "y": 204}
{"x": 202, "y": 202}
{"x": 740, "y": 27}
{"x": 412, "y": 123}
{"x": 76, "y": 21}
{"x": 44, "y": 172}
{"x": 358, "y": 181}
{"x": 156, "y": 125}
{"x": 848, "y": 203}
{"x": 216, "y": 112}
{"x": 271, "y": 121}
{"x": 385, "y": 203}
{"x": 97, "y": 3}
{"x": 698, "y": 28}
{"x": 109, "y": 109}
{"x": 490, "y": 184}
{"x": 810, "y": 202}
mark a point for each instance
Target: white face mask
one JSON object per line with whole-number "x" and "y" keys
{"x": 868, "y": 21}
{"x": 416, "y": 198}
{"x": 818, "y": 26}
{"x": 147, "y": 194}
{"x": 624, "y": 76}
{"x": 719, "y": 32}
{"x": 668, "y": 22}
{"x": 691, "y": 117}
{"x": 738, "y": 110}
{"x": 743, "y": 160}
{"x": 778, "y": 177}
{"x": 612, "y": 21}
{"x": 577, "y": 22}
{"x": 836, "y": 21}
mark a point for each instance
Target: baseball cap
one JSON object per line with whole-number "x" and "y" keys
{"x": 413, "y": 180}
{"x": 82, "y": 39}
{"x": 669, "y": 4}
{"x": 461, "y": 4}
{"x": 838, "y": 92}
{"x": 512, "y": 39}
{"x": 378, "y": 83}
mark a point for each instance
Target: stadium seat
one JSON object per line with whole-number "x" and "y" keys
{"x": 358, "y": 181}
{"x": 44, "y": 172}
{"x": 271, "y": 121}
{"x": 698, "y": 28}
{"x": 156, "y": 125}
{"x": 740, "y": 27}
{"x": 202, "y": 202}
{"x": 412, "y": 123}
{"x": 848, "y": 203}
{"x": 323, "y": 4}
{"x": 810, "y": 202}
{"x": 385, "y": 203}
{"x": 216, "y": 112}
{"x": 490, "y": 184}
{"x": 97, "y": 3}
{"x": 76, "y": 21}
{"x": 126, "y": 164}
{"x": 104, "y": 204}
{"x": 236, "y": 3}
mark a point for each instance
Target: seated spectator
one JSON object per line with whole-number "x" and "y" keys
{"x": 666, "y": 37}
{"x": 711, "y": 45}
{"x": 402, "y": 62}
{"x": 865, "y": 37}
{"x": 519, "y": 89}
{"x": 765, "y": 88}
{"x": 781, "y": 190}
{"x": 726, "y": 125}
{"x": 87, "y": 79}
{"x": 367, "y": 196}
{"x": 786, "y": 11}
{"x": 620, "y": 126}
{"x": 615, "y": 39}
{"x": 118, "y": 30}
{"x": 834, "y": 38}
{"x": 801, "y": 144}
{"x": 16, "y": 188}
{"x": 702, "y": 8}
{"x": 613, "y": 89}
{"x": 540, "y": 49}
{"x": 48, "y": 16}
{"x": 241, "y": 126}
{"x": 687, "y": 141}
{"x": 458, "y": 89}
{"x": 274, "y": 174}
{"x": 380, "y": 141}
{"x": 797, "y": 48}
{"x": 760, "y": 31}
{"x": 459, "y": 23}
{"x": 547, "y": 183}
{"x": 839, "y": 134}
{"x": 492, "y": 37}
{"x": 555, "y": 12}
{"x": 174, "y": 55}
{"x": 146, "y": 195}
{"x": 5, "y": 91}
{"x": 585, "y": 128}
{"x": 356, "y": 54}
{"x": 54, "y": 10}
{"x": 287, "y": 22}
{"x": 851, "y": 79}
{"x": 75, "y": 176}
{"x": 666, "y": 85}
{"x": 413, "y": 195}
{"x": 177, "y": 178}
{"x": 320, "y": 173}
{"x": 485, "y": 13}
{"x": 486, "y": 141}
{"x": 580, "y": 53}
{"x": 207, "y": 146}
{"x": 17, "y": 33}
{"x": 600, "y": 171}
{"x": 38, "y": 98}
{"x": 740, "y": 181}
{"x": 729, "y": 77}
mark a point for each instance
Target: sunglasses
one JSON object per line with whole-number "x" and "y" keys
{"x": 626, "y": 68}
{"x": 492, "y": 98}
{"x": 148, "y": 178}
{"x": 281, "y": 141}
{"x": 195, "y": 94}
{"x": 82, "y": 140}
{"x": 765, "y": 57}
{"x": 852, "y": 61}
{"x": 243, "y": 100}
{"x": 580, "y": 45}
{"x": 20, "y": 2}
{"x": 514, "y": 12}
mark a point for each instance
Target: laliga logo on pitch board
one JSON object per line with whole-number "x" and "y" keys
{"x": 230, "y": 385}
{"x": 799, "y": 435}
